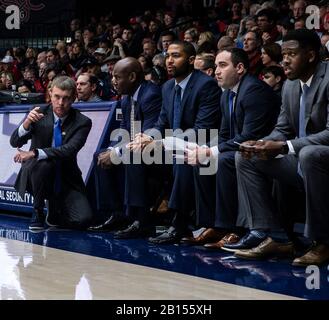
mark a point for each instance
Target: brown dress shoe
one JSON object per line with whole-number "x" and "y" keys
{"x": 228, "y": 239}
{"x": 318, "y": 255}
{"x": 209, "y": 235}
{"x": 267, "y": 249}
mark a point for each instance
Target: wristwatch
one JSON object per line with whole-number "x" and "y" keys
{"x": 285, "y": 148}
{"x": 36, "y": 153}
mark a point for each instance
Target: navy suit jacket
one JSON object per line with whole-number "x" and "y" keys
{"x": 200, "y": 104}
{"x": 257, "y": 108}
{"x": 147, "y": 108}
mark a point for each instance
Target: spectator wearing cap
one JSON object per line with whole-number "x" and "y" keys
{"x": 87, "y": 86}
{"x": 110, "y": 62}
{"x": 92, "y": 67}
{"x": 100, "y": 55}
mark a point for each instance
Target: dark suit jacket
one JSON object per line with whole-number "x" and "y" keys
{"x": 257, "y": 108}
{"x": 200, "y": 104}
{"x": 75, "y": 130}
{"x": 317, "y": 112}
{"x": 147, "y": 108}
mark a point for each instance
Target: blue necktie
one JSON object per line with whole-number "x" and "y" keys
{"x": 58, "y": 142}
{"x": 232, "y": 114}
{"x": 177, "y": 107}
{"x": 302, "y": 124}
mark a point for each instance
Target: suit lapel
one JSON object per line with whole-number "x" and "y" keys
{"x": 295, "y": 103}
{"x": 49, "y": 126}
{"x": 138, "y": 103}
{"x": 187, "y": 91}
{"x": 316, "y": 81}
{"x": 171, "y": 105}
{"x": 67, "y": 125}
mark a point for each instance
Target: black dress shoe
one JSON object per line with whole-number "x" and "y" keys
{"x": 249, "y": 241}
{"x": 168, "y": 237}
{"x": 135, "y": 230}
{"x": 114, "y": 222}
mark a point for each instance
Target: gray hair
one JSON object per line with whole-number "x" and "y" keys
{"x": 64, "y": 83}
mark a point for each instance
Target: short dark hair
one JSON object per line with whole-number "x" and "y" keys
{"x": 270, "y": 13}
{"x": 274, "y": 51}
{"x": 238, "y": 56}
{"x": 168, "y": 33}
{"x": 307, "y": 39}
{"x": 188, "y": 47}
{"x": 276, "y": 71}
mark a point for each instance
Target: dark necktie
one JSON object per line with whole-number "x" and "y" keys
{"x": 58, "y": 142}
{"x": 177, "y": 107}
{"x": 232, "y": 114}
{"x": 302, "y": 123}
{"x": 302, "y": 127}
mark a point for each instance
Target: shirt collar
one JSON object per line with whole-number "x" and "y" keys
{"x": 56, "y": 118}
{"x": 308, "y": 82}
{"x": 236, "y": 88}
{"x": 135, "y": 96}
{"x": 184, "y": 82}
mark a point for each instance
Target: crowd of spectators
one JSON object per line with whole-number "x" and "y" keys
{"x": 91, "y": 51}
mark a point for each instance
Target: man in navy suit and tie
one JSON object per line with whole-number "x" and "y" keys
{"x": 50, "y": 170}
{"x": 141, "y": 106}
{"x": 190, "y": 102}
{"x": 294, "y": 153}
{"x": 249, "y": 109}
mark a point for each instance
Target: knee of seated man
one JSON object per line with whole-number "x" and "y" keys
{"x": 308, "y": 154}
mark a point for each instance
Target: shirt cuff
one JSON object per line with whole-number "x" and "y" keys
{"x": 22, "y": 132}
{"x": 42, "y": 155}
{"x": 291, "y": 148}
{"x": 214, "y": 151}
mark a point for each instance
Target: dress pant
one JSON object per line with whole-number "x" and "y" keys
{"x": 70, "y": 208}
{"x": 109, "y": 187}
{"x": 257, "y": 207}
{"x": 314, "y": 161}
{"x": 139, "y": 192}
{"x": 216, "y": 195}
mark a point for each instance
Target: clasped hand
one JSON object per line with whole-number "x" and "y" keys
{"x": 264, "y": 150}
